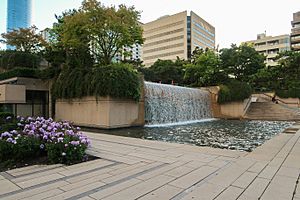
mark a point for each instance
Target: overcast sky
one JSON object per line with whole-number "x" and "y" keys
{"x": 235, "y": 20}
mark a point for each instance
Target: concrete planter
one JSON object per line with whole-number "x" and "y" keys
{"x": 104, "y": 112}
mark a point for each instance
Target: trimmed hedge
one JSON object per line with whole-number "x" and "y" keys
{"x": 117, "y": 80}
{"x": 47, "y": 73}
{"x": 234, "y": 91}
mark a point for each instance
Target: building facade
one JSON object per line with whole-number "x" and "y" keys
{"x": 134, "y": 53}
{"x": 270, "y": 46}
{"x": 295, "y": 35}
{"x": 18, "y": 15}
{"x": 175, "y": 36}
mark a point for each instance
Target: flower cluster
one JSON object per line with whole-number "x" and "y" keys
{"x": 61, "y": 141}
{"x": 50, "y": 131}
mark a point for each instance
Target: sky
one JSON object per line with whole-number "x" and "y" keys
{"x": 235, "y": 21}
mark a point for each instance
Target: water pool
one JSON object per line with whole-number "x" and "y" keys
{"x": 226, "y": 134}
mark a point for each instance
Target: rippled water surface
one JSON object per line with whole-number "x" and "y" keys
{"x": 227, "y": 134}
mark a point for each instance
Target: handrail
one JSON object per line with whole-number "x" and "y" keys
{"x": 291, "y": 103}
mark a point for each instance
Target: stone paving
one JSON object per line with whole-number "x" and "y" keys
{"x": 139, "y": 169}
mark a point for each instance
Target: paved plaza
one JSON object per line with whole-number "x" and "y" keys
{"x": 141, "y": 169}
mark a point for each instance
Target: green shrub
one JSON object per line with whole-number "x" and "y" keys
{"x": 4, "y": 115}
{"x": 20, "y": 72}
{"x": 234, "y": 91}
{"x": 117, "y": 80}
{"x": 47, "y": 73}
{"x": 292, "y": 91}
{"x": 69, "y": 151}
{"x": 12, "y": 59}
{"x": 60, "y": 141}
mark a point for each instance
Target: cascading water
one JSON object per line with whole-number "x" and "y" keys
{"x": 167, "y": 104}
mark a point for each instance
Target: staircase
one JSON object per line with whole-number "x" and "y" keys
{"x": 267, "y": 110}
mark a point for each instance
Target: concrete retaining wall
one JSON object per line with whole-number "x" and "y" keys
{"x": 106, "y": 112}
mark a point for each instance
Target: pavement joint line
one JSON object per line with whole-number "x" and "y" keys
{"x": 59, "y": 179}
{"x": 191, "y": 188}
{"x": 133, "y": 145}
{"x": 199, "y": 183}
{"x": 100, "y": 151}
{"x": 279, "y": 166}
{"x": 295, "y": 190}
{"x": 7, "y": 175}
{"x": 87, "y": 193}
{"x": 39, "y": 171}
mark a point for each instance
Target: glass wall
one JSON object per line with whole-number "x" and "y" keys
{"x": 37, "y": 104}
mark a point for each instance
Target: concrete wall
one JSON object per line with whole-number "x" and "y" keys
{"x": 226, "y": 110}
{"x": 233, "y": 109}
{"x": 12, "y": 93}
{"x": 105, "y": 112}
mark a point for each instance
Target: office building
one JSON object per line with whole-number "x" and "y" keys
{"x": 270, "y": 46}
{"x": 18, "y": 15}
{"x": 175, "y": 36}
{"x": 132, "y": 53}
{"x": 295, "y": 35}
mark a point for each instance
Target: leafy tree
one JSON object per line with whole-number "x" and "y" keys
{"x": 104, "y": 31}
{"x": 165, "y": 71}
{"x": 205, "y": 69}
{"x": 58, "y": 53}
{"x": 289, "y": 74}
{"x": 25, "y": 39}
{"x": 241, "y": 61}
{"x": 266, "y": 79}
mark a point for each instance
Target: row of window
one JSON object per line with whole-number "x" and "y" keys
{"x": 204, "y": 29}
{"x": 165, "y": 33}
{"x": 164, "y": 48}
{"x": 163, "y": 41}
{"x": 164, "y": 55}
{"x": 295, "y": 37}
{"x": 163, "y": 27}
{"x": 203, "y": 35}
{"x": 203, "y": 42}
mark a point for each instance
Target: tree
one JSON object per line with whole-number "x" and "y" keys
{"x": 241, "y": 61}
{"x": 25, "y": 39}
{"x": 205, "y": 69}
{"x": 165, "y": 71}
{"x": 104, "y": 31}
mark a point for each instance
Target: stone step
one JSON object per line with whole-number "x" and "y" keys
{"x": 271, "y": 111}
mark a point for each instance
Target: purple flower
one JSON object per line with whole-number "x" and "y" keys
{"x": 8, "y": 117}
{"x": 10, "y": 140}
{"x": 45, "y": 137}
{"x": 60, "y": 139}
{"x": 6, "y": 134}
{"x": 63, "y": 154}
{"x": 42, "y": 146}
{"x": 74, "y": 143}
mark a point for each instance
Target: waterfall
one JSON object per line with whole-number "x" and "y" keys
{"x": 165, "y": 104}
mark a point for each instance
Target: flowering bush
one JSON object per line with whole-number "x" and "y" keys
{"x": 60, "y": 141}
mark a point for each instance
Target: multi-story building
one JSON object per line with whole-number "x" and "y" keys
{"x": 295, "y": 35}
{"x": 18, "y": 15}
{"x": 270, "y": 46}
{"x": 133, "y": 53}
{"x": 175, "y": 36}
